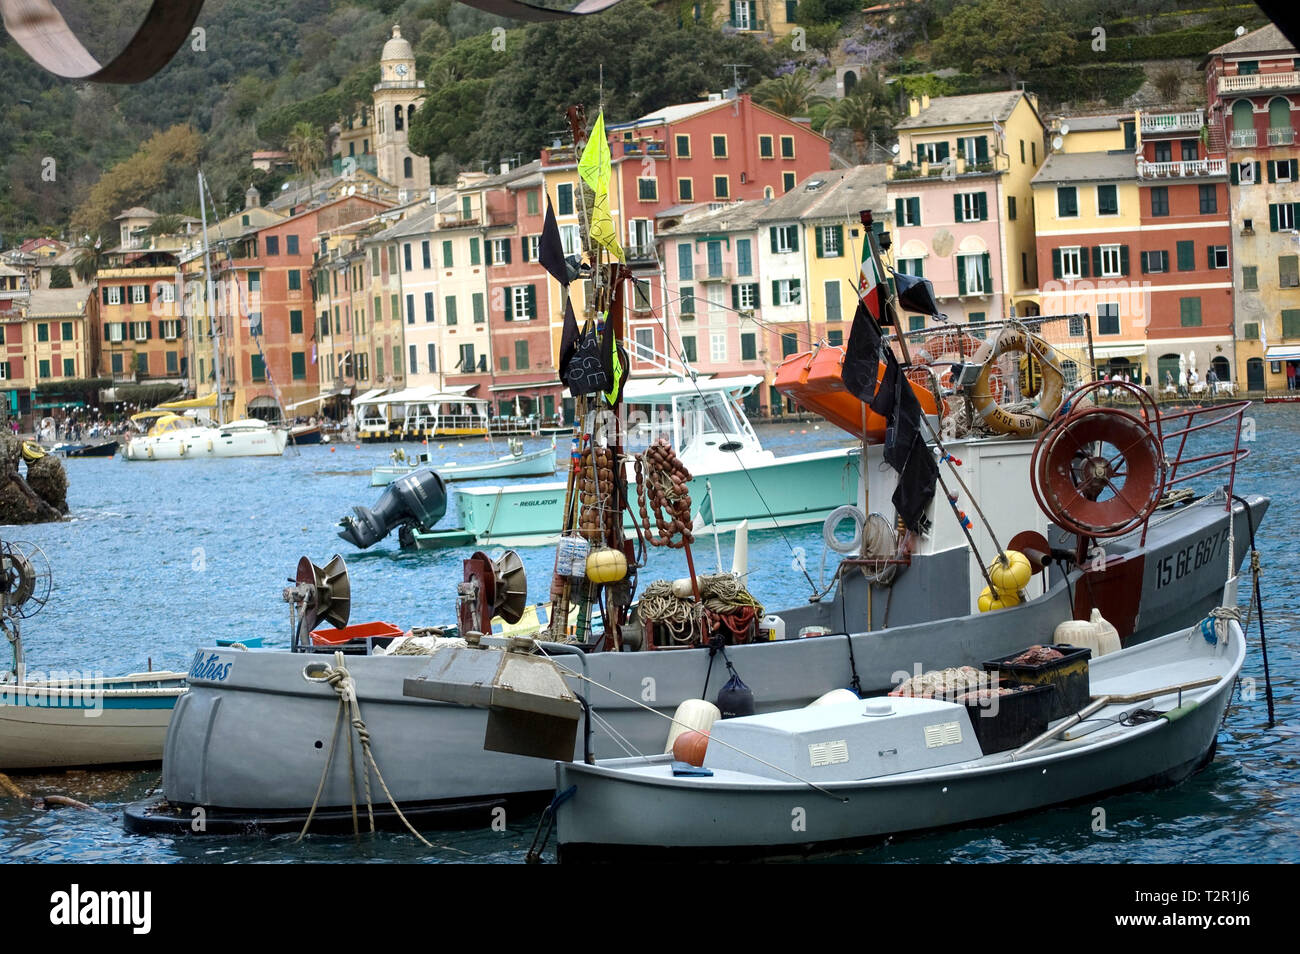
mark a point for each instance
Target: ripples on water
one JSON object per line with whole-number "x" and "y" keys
{"x": 160, "y": 558}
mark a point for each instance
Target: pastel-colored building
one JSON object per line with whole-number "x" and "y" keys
{"x": 53, "y": 338}
{"x": 961, "y": 192}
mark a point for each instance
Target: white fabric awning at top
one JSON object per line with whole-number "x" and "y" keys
{"x": 323, "y": 396}
{"x": 1119, "y": 350}
{"x": 373, "y": 396}
{"x": 523, "y": 387}
{"x": 1283, "y": 353}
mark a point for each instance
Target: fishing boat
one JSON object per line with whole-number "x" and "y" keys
{"x": 834, "y": 776}
{"x": 302, "y": 435}
{"x": 930, "y": 586}
{"x": 733, "y": 478}
{"x": 100, "y": 449}
{"x": 69, "y": 719}
{"x": 517, "y": 463}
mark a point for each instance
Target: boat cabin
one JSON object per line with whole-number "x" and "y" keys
{"x": 702, "y": 418}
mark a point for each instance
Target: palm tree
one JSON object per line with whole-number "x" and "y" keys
{"x": 861, "y": 114}
{"x": 169, "y": 223}
{"x": 306, "y": 149}
{"x": 90, "y": 258}
{"x": 790, "y": 95}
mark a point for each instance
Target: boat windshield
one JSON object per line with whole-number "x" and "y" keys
{"x": 692, "y": 421}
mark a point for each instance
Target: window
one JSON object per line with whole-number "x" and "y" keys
{"x": 789, "y": 344}
{"x": 718, "y": 347}
{"x": 1022, "y": 151}
{"x": 765, "y": 148}
{"x": 907, "y": 211}
{"x": 1164, "y": 152}
{"x": 688, "y": 348}
{"x": 170, "y": 329}
{"x": 298, "y": 364}
{"x": 785, "y": 291}
{"x": 449, "y": 309}
{"x": 521, "y": 355}
{"x": 70, "y": 365}
{"x": 432, "y": 354}
{"x": 744, "y": 257}
{"x": 1190, "y": 150}
{"x": 428, "y": 307}
{"x": 408, "y": 172}
{"x": 1282, "y": 170}
{"x": 1217, "y": 256}
{"x": 571, "y": 239}
{"x": 532, "y": 202}
{"x": 1108, "y": 318}
{"x": 787, "y": 181}
{"x": 830, "y": 241}
{"x": 466, "y": 208}
{"x": 687, "y": 293}
{"x": 257, "y": 365}
{"x": 685, "y": 261}
{"x": 1250, "y": 331}
{"x": 1070, "y": 263}
{"x": 970, "y": 207}
{"x": 833, "y": 312}
{"x": 167, "y": 291}
{"x": 1155, "y": 262}
{"x": 44, "y": 368}
{"x": 406, "y": 263}
{"x": 1160, "y": 201}
{"x": 564, "y": 198}
{"x": 1189, "y": 312}
{"x": 721, "y": 187}
{"x": 117, "y": 364}
{"x": 719, "y": 146}
{"x": 412, "y": 362}
{"x": 785, "y": 239}
{"x": 713, "y": 251}
{"x": 295, "y": 280}
{"x": 787, "y": 147}
{"x": 273, "y": 245}
{"x": 682, "y": 145}
{"x": 1209, "y": 199}
{"x": 973, "y": 276}
{"x": 1249, "y": 278}
{"x": 426, "y": 259}
{"x": 1067, "y": 202}
{"x": 530, "y": 244}
{"x": 1111, "y": 261}
{"x": 480, "y": 312}
{"x": 43, "y": 332}
{"x": 113, "y": 295}
{"x": 140, "y": 330}
{"x": 498, "y": 251}
{"x": 1282, "y": 216}
{"x": 911, "y": 266}
{"x": 1186, "y": 256}
{"x": 685, "y": 190}
{"x": 835, "y": 337}
{"x": 291, "y": 244}
{"x": 748, "y": 347}
{"x": 744, "y": 297}
{"x": 916, "y": 322}
{"x": 65, "y": 332}
{"x": 647, "y": 190}
{"x": 476, "y": 257}
{"x": 1290, "y": 323}
{"x": 410, "y": 311}
{"x": 1288, "y": 271}
{"x": 1011, "y": 208}
{"x": 521, "y": 303}
{"x": 466, "y": 362}
{"x": 1107, "y": 200}
{"x": 931, "y": 152}
{"x": 447, "y": 258}
{"x": 645, "y": 344}
{"x": 1243, "y": 173}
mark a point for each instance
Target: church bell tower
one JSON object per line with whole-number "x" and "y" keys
{"x": 397, "y": 95}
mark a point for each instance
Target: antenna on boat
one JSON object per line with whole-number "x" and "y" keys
{"x": 210, "y": 298}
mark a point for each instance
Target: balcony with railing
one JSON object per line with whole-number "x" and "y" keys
{"x": 1259, "y": 81}
{"x": 1168, "y": 123}
{"x": 714, "y": 273}
{"x": 1281, "y": 137}
{"x": 1243, "y": 139}
{"x": 947, "y": 169}
{"x": 1187, "y": 169}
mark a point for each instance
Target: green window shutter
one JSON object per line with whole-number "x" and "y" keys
{"x": 920, "y": 153}
{"x": 772, "y": 232}
{"x": 1145, "y": 266}
{"x": 1295, "y": 167}
{"x": 1186, "y": 256}
{"x": 1295, "y": 213}
{"x": 1056, "y": 263}
{"x": 914, "y": 204}
{"x": 982, "y": 149}
{"x": 1096, "y": 259}
{"x": 961, "y": 276}
{"x": 505, "y": 247}
{"x": 487, "y": 252}
{"x": 1209, "y": 256}
{"x": 735, "y": 297}
{"x": 523, "y": 249}
{"x": 988, "y": 274}
{"x": 1123, "y": 260}
{"x": 1084, "y": 270}
{"x": 473, "y": 251}
{"x": 898, "y": 220}
{"x": 1272, "y": 218}
{"x": 1272, "y": 171}
{"x": 983, "y": 201}
{"x": 1232, "y": 174}
{"x": 733, "y": 11}
{"x": 956, "y": 207}
{"x": 821, "y": 250}
{"x": 754, "y": 289}
{"x": 839, "y": 240}
{"x": 941, "y": 152}
{"x": 794, "y": 237}
{"x": 532, "y": 301}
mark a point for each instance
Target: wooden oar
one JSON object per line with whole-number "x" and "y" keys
{"x": 1103, "y": 701}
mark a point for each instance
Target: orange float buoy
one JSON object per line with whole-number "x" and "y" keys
{"x": 689, "y": 747}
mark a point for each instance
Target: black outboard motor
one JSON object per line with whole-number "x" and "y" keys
{"x": 418, "y": 500}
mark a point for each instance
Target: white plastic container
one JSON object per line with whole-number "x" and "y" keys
{"x": 693, "y": 714}
{"x": 1096, "y": 634}
{"x": 771, "y": 629}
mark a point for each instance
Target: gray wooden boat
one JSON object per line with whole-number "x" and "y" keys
{"x": 830, "y": 777}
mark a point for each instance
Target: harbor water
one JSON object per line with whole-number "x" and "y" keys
{"x": 159, "y": 558}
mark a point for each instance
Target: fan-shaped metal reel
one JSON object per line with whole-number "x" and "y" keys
{"x": 25, "y": 579}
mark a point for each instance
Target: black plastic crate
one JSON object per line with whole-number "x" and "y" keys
{"x": 1018, "y": 717}
{"x": 1069, "y": 675}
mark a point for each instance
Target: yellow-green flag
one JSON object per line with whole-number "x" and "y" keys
{"x": 594, "y": 167}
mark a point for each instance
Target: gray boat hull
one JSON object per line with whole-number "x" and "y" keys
{"x": 253, "y": 736}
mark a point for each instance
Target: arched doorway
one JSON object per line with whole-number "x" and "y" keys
{"x": 1279, "y": 113}
{"x": 264, "y": 409}
{"x": 1255, "y": 374}
{"x": 850, "y": 81}
{"x": 1166, "y": 371}
{"x": 1243, "y": 116}
{"x": 1222, "y": 369}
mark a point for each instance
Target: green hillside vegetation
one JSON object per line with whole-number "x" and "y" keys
{"x": 77, "y": 153}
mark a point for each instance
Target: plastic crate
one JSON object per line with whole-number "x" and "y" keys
{"x": 1069, "y": 675}
{"x": 1019, "y": 716}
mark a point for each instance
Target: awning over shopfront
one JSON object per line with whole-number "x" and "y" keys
{"x": 323, "y": 396}
{"x": 532, "y": 385}
{"x": 373, "y": 396}
{"x": 1126, "y": 349}
{"x": 1283, "y": 353}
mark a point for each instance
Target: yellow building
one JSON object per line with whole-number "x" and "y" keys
{"x": 53, "y": 342}
{"x": 776, "y": 18}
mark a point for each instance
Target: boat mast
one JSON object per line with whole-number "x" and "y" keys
{"x": 211, "y": 304}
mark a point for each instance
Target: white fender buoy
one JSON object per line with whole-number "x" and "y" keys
{"x": 834, "y": 697}
{"x": 740, "y": 550}
{"x": 693, "y": 714}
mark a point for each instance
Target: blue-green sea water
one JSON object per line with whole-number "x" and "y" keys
{"x": 161, "y": 557}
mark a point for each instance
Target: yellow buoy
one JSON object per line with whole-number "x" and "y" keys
{"x": 606, "y": 565}
{"x": 988, "y": 601}
{"x": 1012, "y": 575}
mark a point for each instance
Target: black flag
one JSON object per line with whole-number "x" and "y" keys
{"x": 550, "y": 251}
{"x": 568, "y": 337}
{"x": 862, "y": 356}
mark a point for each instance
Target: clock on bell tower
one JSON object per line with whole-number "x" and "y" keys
{"x": 397, "y": 95}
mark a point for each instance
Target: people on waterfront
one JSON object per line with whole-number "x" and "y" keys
{"x": 1212, "y": 382}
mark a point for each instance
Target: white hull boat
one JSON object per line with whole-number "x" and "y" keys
{"x": 244, "y": 438}
{"x": 839, "y": 775}
{"x": 540, "y": 463}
